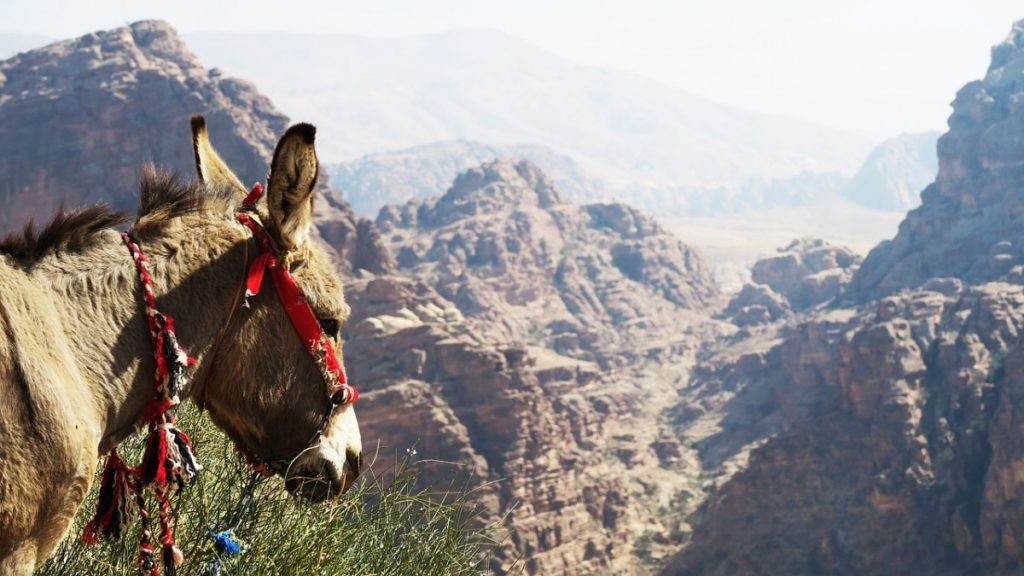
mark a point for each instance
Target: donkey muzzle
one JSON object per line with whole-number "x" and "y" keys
{"x": 325, "y": 479}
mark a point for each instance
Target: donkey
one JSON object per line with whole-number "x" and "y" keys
{"x": 76, "y": 362}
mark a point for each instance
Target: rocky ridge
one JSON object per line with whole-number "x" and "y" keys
{"x": 80, "y": 117}
{"x": 376, "y": 180}
{"x": 588, "y": 303}
{"x": 514, "y": 256}
{"x": 882, "y": 438}
{"x": 806, "y": 273}
{"x": 969, "y": 224}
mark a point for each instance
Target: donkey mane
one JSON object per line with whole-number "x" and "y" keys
{"x": 68, "y": 229}
{"x": 163, "y": 196}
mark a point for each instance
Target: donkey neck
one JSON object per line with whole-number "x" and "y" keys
{"x": 196, "y": 268}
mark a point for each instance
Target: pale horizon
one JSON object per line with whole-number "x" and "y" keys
{"x": 794, "y": 58}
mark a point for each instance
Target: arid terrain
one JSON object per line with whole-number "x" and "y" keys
{"x": 630, "y": 408}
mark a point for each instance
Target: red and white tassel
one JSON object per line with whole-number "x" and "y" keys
{"x": 114, "y": 504}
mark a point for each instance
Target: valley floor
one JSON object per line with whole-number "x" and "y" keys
{"x": 731, "y": 243}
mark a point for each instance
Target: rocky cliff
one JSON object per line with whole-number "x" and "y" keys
{"x": 874, "y": 442}
{"x": 80, "y": 117}
{"x": 969, "y": 223}
{"x": 883, "y": 438}
{"x": 551, "y": 372}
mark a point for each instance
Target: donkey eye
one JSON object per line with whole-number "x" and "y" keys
{"x": 331, "y": 327}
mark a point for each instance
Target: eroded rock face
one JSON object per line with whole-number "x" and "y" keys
{"x": 594, "y": 315}
{"x": 887, "y": 443}
{"x": 884, "y": 439}
{"x": 556, "y": 438}
{"x": 807, "y": 272}
{"x": 513, "y": 256}
{"x": 968, "y": 225}
{"x": 757, "y": 304}
{"x": 79, "y": 118}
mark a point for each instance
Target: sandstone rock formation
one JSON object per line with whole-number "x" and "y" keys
{"x": 883, "y": 439}
{"x": 436, "y": 385}
{"x": 80, "y": 117}
{"x": 567, "y": 319}
{"x": 807, "y": 272}
{"x": 968, "y": 225}
{"x": 871, "y": 443}
{"x": 757, "y": 304}
{"x": 516, "y": 258}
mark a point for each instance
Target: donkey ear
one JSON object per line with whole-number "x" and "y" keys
{"x": 291, "y": 186}
{"x": 211, "y": 170}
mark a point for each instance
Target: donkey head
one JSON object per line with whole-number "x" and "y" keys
{"x": 265, "y": 389}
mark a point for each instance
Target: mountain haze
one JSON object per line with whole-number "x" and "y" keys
{"x": 895, "y": 172}
{"x": 377, "y": 94}
{"x": 424, "y": 171}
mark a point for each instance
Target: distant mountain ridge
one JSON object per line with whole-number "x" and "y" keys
{"x": 371, "y": 95}
{"x": 889, "y": 179}
{"x": 895, "y": 172}
{"x": 376, "y": 180}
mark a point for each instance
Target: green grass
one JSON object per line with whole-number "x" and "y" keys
{"x": 385, "y": 525}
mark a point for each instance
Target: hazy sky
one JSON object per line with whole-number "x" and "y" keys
{"x": 878, "y": 67}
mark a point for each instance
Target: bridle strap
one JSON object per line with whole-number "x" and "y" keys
{"x": 299, "y": 312}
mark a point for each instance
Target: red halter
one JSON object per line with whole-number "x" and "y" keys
{"x": 301, "y": 314}
{"x": 168, "y": 460}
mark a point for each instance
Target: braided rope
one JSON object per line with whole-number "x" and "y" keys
{"x": 168, "y": 460}
{"x": 171, "y": 358}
